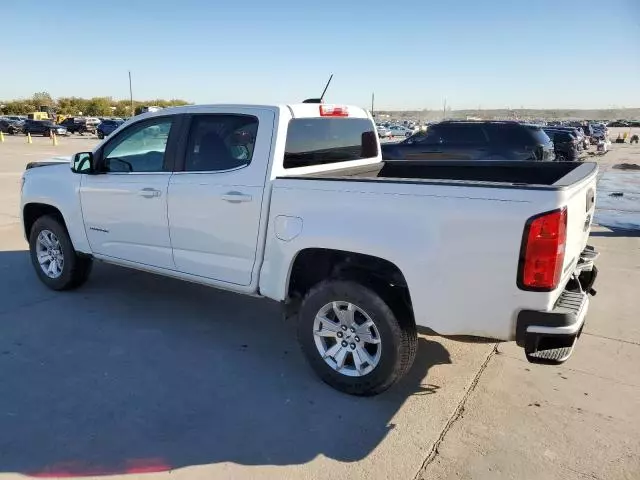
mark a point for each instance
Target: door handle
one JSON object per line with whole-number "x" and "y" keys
{"x": 236, "y": 197}
{"x": 149, "y": 193}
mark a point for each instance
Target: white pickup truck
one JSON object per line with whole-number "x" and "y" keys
{"x": 294, "y": 203}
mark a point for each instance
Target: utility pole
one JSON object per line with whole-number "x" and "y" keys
{"x": 131, "y": 94}
{"x": 444, "y": 110}
{"x": 373, "y": 96}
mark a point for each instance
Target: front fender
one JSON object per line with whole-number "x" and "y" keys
{"x": 57, "y": 186}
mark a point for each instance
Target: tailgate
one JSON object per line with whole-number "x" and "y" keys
{"x": 580, "y": 201}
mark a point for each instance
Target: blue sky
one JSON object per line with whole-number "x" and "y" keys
{"x": 412, "y": 54}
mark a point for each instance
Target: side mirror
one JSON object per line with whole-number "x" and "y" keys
{"x": 82, "y": 163}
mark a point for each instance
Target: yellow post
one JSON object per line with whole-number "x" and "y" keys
{"x": 54, "y": 139}
{"x": 29, "y": 140}
{"x": 1, "y": 137}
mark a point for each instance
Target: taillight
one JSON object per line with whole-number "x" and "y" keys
{"x": 333, "y": 111}
{"x": 542, "y": 251}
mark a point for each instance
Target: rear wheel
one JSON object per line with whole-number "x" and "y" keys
{"x": 56, "y": 262}
{"x": 100, "y": 135}
{"x": 353, "y": 340}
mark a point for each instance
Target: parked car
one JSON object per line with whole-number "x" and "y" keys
{"x": 474, "y": 140}
{"x": 588, "y": 129}
{"x": 565, "y": 144}
{"x": 15, "y": 118}
{"x": 400, "y": 131}
{"x": 383, "y": 132}
{"x": 78, "y": 125}
{"x": 253, "y": 206}
{"x": 107, "y": 127}
{"x": 43, "y": 127}
{"x": 10, "y": 127}
{"x": 578, "y": 133}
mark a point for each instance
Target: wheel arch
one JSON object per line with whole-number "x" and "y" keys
{"x": 312, "y": 265}
{"x": 31, "y": 212}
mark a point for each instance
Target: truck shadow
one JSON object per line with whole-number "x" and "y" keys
{"x": 136, "y": 373}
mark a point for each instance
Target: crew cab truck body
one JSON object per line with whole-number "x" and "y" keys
{"x": 294, "y": 203}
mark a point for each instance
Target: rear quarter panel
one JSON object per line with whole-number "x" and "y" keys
{"x": 580, "y": 200}
{"x": 457, "y": 246}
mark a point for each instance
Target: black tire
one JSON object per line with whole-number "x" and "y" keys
{"x": 560, "y": 157}
{"x": 398, "y": 336}
{"x": 75, "y": 269}
{"x": 100, "y": 135}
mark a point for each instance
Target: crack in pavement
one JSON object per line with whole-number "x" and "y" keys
{"x": 457, "y": 413}
{"x": 582, "y": 474}
{"x": 631, "y": 342}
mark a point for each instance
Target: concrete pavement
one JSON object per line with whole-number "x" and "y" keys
{"x": 136, "y": 373}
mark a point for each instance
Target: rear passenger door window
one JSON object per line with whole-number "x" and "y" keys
{"x": 509, "y": 135}
{"x": 220, "y": 142}
{"x": 463, "y": 134}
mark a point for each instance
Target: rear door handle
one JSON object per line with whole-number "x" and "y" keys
{"x": 149, "y": 193}
{"x": 236, "y": 197}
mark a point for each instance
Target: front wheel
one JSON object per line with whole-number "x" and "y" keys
{"x": 56, "y": 262}
{"x": 353, "y": 340}
{"x": 100, "y": 135}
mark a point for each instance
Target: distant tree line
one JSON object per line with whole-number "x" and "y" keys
{"x": 92, "y": 107}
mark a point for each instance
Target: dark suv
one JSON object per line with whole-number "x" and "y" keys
{"x": 474, "y": 140}
{"x": 9, "y": 126}
{"x": 78, "y": 125}
{"x": 565, "y": 143}
{"x": 43, "y": 127}
{"x": 107, "y": 127}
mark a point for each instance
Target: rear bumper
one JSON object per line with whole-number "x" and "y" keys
{"x": 566, "y": 318}
{"x": 549, "y": 336}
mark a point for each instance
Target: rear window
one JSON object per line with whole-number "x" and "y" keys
{"x": 316, "y": 141}
{"x": 538, "y": 134}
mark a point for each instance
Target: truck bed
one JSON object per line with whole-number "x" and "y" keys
{"x": 547, "y": 175}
